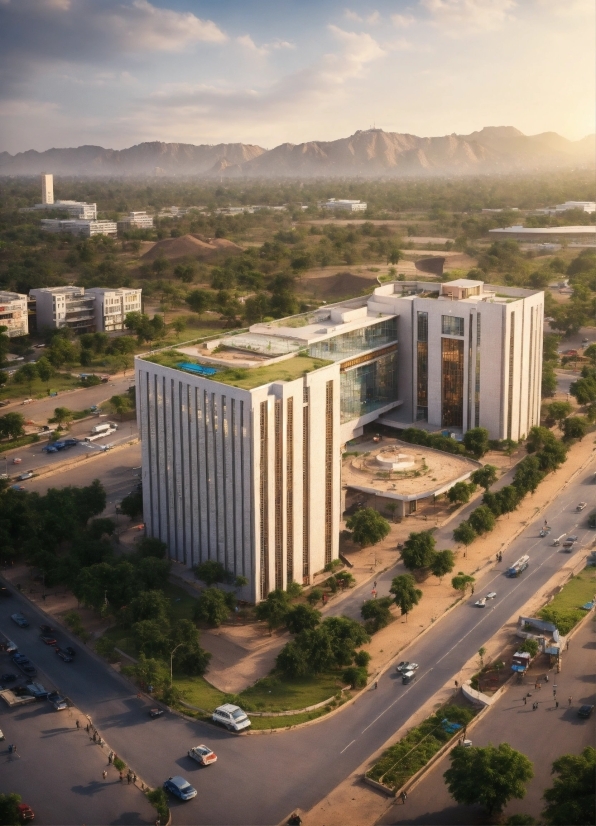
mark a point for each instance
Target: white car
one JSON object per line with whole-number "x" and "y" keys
{"x": 491, "y": 595}
{"x": 481, "y": 603}
{"x": 230, "y": 716}
{"x": 203, "y": 755}
{"x": 406, "y": 666}
{"x": 581, "y": 506}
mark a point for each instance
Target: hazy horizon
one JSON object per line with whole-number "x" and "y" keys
{"x": 123, "y": 72}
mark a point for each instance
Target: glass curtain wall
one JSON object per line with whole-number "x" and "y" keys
{"x": 422, "y": 366}
{"x": 368, "y": 387}
{"x": 452, "y": 382}
{"x": 357, "y": 341}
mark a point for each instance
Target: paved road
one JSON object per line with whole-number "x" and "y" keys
{"x": 303, "y": 766}
{"x": 542, "y": 735}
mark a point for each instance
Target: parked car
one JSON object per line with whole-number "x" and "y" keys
{"x": 203, "y": 755}
{"x": 19, "y": 658}
{"x": 49, "y": 449}
{"x": 46, "y": 629}
{"x": 231, "y": 716}
{"x": 180, "y": 788}
{"x": 27, "y": 475}
{"x": 26, "y": 813}
{"x": 480, "y": 603}
{"x": 48, "y": 639}
{"x": 58, "y": 701}
{"x": 69, "y": 650}
{"x": 20, "y": 620}
{"x": 155, "y": 712}
{"x": 4, "y": 403}
{"x": 585, "y": 711}
{"x": 8, "y": 678}
{"x": 28, "y": 669}
{"x": 63, "y": 655}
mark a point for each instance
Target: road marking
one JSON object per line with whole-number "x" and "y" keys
{"x": 403, "y": 694}
{"x": 347, "y": 747}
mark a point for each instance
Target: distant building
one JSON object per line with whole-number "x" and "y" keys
{"x": 68, "y": 306}
{"x": 47, "y": 189}
{"x": 86, "y": 228}
{"x": 179, "y": 212}
{"x": 112, "y": 306}
{"x": 135, "y": 220}
{"x": 349, "y": 206}
{"x": 585, "y": 206}
{"x": 13, "y": 314}
{"x": 583, "y": 235}
{"x": 503, "y": 209}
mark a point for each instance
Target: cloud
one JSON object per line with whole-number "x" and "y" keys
{"x": 371, "y": 18}
{"x": 247, "y": 42}
{"x": 402, "y": 21}
{"x": 464, "y": 16}
{"x": 141, "y": 25}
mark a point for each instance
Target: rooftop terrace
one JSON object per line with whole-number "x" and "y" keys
{"x": 244, "y": 378}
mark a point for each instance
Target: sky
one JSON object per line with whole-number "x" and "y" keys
{"x": 116, "y": 73}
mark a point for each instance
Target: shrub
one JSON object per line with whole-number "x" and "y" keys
{"x": 316, "y": 595}
{"x": 356, "y": 677}
{"x": 119, "y": 764}
{"x": 377, "y": 613}
{"x": 159, "y": 801}
{"x": 362, "y": 659}
{"x": 530, "y": 647}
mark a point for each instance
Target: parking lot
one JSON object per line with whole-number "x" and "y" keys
{"x": 57, "y": 768}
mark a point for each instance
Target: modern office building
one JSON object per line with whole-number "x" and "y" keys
{"x": 579, "y": 235}
{"x": 135, "y": 220}
{"x": 58, "y": 307}
{"x": 47, "y": 189}
{"x": 13, "y": 314}
{"x": 349, "y": 206}
{"x": 242, "y": 446}
{"x": 83, "y": 227}
{"x": 112, "y": 305}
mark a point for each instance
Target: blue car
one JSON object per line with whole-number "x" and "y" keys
{"x": 50, "y": 449}
{"x": 180, "y": 788}
{"x": 20, "y": 620}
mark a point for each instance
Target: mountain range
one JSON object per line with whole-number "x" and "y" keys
{"x": 369, "y": 153}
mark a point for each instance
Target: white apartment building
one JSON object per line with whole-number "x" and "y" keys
{"x": 47, "y": 189}
{"x": 585, "y": 235}
{"x": 112, "y": 305}
{"x": 242, "y": 448}
{"x": 84, "y": 228}
{"x": 585, "y": 206}
{"x": 135, "y": 220}
{"x": 341, "y": 203}
{"x": 13, "y": 314}
{"x": 67, "y": 306}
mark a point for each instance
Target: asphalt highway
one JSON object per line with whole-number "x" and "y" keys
{"x": 260, "y": 778}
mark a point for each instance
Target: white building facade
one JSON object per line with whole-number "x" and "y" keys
{"x": 83, "y": 227}
{"x": 345, "y": 204}
{"x": 112, "y": 305}
{"x": 13, "y": 314}
{"x": 135, "y": 220}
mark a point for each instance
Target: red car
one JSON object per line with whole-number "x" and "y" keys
{"x": 26, "y": 813}
{"x": 48, "y": 639}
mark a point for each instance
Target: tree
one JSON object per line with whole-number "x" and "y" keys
{"x": 150, "y": 605}
{"x": 376, "y": 613}
{"x": 418, "y": 550}
{"x": 26, "y": 375}
{"x": 132, "y": 505}
{"x": 356, "y": 677}
{"x": 189, "y": 658}
{"x": 199, "y": 301}
{"x": 558, "y": 411}
{"x": 405, "y": 592}
{"x": 302, "y": 617}
{"x": 570, "y": 800}
{"x": 315, "y": 595}
{"x": 159, "y": 801}
{"x": 89, "y": 501}
{"x": 549, "y": 380}
{"x": 590, "y": 353}
{"x": 530, "y": 646}
{"x": 552, "y": 456}
{"x": 485, "y": 476}
{"x": 460, "y": 493}
{"x": 489, "y": 776}
{"x": 12, "y": 425}
{"x": 9, "y": 813}
{"x": 274, "y": 609}
{"x": 120, "y": 403}
{"x": 62, "y": 415}
{"x": 212, "y": 607}
{"x": 462, "y": 581}
{"x": 464, "y": 533}
{"x": 476, "y": 441}
{"x": 538, "y": 438}
{"x": 482, "y": 520}
{"x": 575, "y": 427}
{"x": 44, "y": 369}
{"x": 368, "y": 527}
{"x": 151, "y": 546}
{"x": 151, "y": 637}
{"x": 210, "y": 572}
{"x": 528, "y": 475}
{"x": 442, "y": 564}
{"x": 584, "y": 390}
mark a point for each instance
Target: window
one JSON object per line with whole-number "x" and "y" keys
{"x": 422, "y": 367}
{"x": 423, "y": 326}
{"x": 328, "y": 471}
{"x": 358, "y": 341}
{"x": 368, "y": 387}
{"x": 452, "y": 325}
{"x": 452, "y": 382}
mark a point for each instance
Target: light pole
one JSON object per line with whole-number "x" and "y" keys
{"x": 171, "y": 661}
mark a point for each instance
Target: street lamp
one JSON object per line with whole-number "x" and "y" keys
{"x": 171, "y": 661}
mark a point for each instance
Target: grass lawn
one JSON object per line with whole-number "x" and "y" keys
{"x": 39, "y": 389}
{"x": 565, "y": 608}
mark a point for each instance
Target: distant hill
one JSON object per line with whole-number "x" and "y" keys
{"x": 370, "y": 153}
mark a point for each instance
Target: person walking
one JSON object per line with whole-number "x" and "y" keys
{"x": 128, "y": 778}
{"x": 556, "y": 704}
{"x": 570, "y": 699}
{"x": 404, "y": 797}
{"x": 525, "y": 701}
{"x": 134, "y": 778}
{"x": 110, "y": 756}
{"x": 376, "y": 683}
{"x": 546, "y": 678}
{"x": 456, "y": 684}
{"x": 78, "y": 725}
{"x": 121, "y": 777}
{"x": 104, "y": 774}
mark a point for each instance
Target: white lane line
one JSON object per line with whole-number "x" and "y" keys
{"x": 403, "y": 694}
{"x": 347, "y": 747}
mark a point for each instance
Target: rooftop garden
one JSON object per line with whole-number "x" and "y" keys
{"x": 247, "y": 378}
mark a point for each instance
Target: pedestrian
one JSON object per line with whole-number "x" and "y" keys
{"x": 121, "y": 777}
{"x": 456, "y": 684}
{"x": 546, "y": 678}
{"x": 376, "y": 683}
{"x": 554, "y": 692}
{"x": 128, "y": 778}
{"x": 567, "y": 645}
{"x": 95, "y": 737}
{"x": 525, "y": 701}
{"x": 87, "y": 728}
{"x": 104, "y": 774}
{"x": 472, "y": 589}
{"x": 534, "y": 706}
{"x": 570, "y": 699}
{"x": 110, "y": 756}
{"x": 134, "y": 778}
{"x": 375, "y": 584}
{"x": 78, "y": 724}
{"x": 556, "y": 704}
{"x": 404, "y": 797}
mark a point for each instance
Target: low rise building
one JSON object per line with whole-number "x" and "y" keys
{"x": 582, "y": 235}
{"x": 342, "y": 203}
{"x": 68, "y": 306}
{"x": 82, "y": 227}
{"x": 584, "y": 206}
{"x": 135, "y": 220}
{"x": 112, "y": 306}
{"x": 13, "y": 314}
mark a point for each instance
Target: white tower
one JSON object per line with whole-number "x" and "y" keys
{"x": 47, "y": 189}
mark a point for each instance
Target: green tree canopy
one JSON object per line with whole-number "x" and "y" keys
{"x": 482, "y": 520}
{"x": 211, "y": 572}
{"x": 274, "y": 609}
{"x": 462, "y": 582}
{"x": 575, "y": 427}
{"x": 9, "y": 812}
{"x": 571, "y": 798}
{"x": 464, "y": 533}
{"x": 489, "y": 776}
{"x": 405, "y": 592}
{"x": 476, "y": 441}
{"x": 460, "y": 493}
{"x": 558, "y": 411}
{"x": 368, "y": 527}
{"x": 12, "y": 425}
{"x": 442, "y": 564}
{"x": 485, "y": 476}
{"x": 212, "y": 607}
{"x": 376, "y": 613}
{"x": 418, "y": 550}
{"x": 301, "y": 618}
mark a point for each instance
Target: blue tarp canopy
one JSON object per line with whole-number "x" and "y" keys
{"x": 197, "y": 368}
{"x": 588, "y": 606}
{"x": 449, "y": 727}
{"x": 520, "y": 668}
